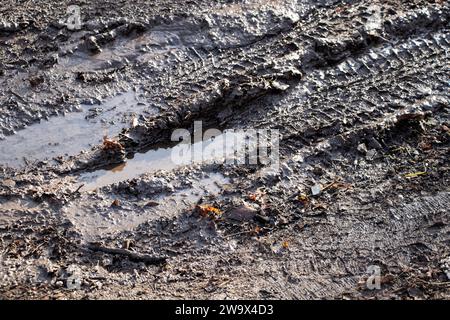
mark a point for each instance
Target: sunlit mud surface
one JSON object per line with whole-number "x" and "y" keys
{"x": 93, "y": 222}
{"x": 93, "y": 187}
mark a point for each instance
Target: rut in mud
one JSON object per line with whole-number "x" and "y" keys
{"x": 358, "y": 91}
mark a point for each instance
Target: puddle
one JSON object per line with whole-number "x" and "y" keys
{"x": 98, "y": 218}
{"x": 72, "y": 133}
{"x": 216, "y": 149}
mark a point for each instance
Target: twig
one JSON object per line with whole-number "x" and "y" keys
{"x": 78, "y": 189}
{"x": 18, "y": 96}
{"x": 133, "y": 256}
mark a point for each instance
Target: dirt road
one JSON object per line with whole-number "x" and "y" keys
{"x": 91, "y": 205}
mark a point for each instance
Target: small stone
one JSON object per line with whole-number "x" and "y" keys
{"x": 279, "y": 85}
{"x": 316, "y": 189}
{"x": 362, "y": 148}
{"x": 92, "y": 44}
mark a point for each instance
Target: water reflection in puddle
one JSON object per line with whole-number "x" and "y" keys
{"x": 72, "y": 133}
{"x": 216, "y": 149}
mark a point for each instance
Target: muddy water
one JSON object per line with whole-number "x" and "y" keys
{"x": 214, "y": 150}
{"x": 74, "y": 132}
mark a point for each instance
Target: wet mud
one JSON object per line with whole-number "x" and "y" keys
{"x": 93, "y": 206}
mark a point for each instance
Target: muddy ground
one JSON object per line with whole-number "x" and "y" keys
{"x": 357, "y": 89}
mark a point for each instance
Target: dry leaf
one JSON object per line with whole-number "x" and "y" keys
{"x": 111, "y": 144}
{"x": 209, "y": 211}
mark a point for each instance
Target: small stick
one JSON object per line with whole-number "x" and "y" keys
{"x": 78, "y": 189}
{"x": 18, "y": 96}
{"x": 133, "y": 256}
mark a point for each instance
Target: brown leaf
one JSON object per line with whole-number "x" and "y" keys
{"x": 111, "y": 144}
{"x": 209, "y": 211}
